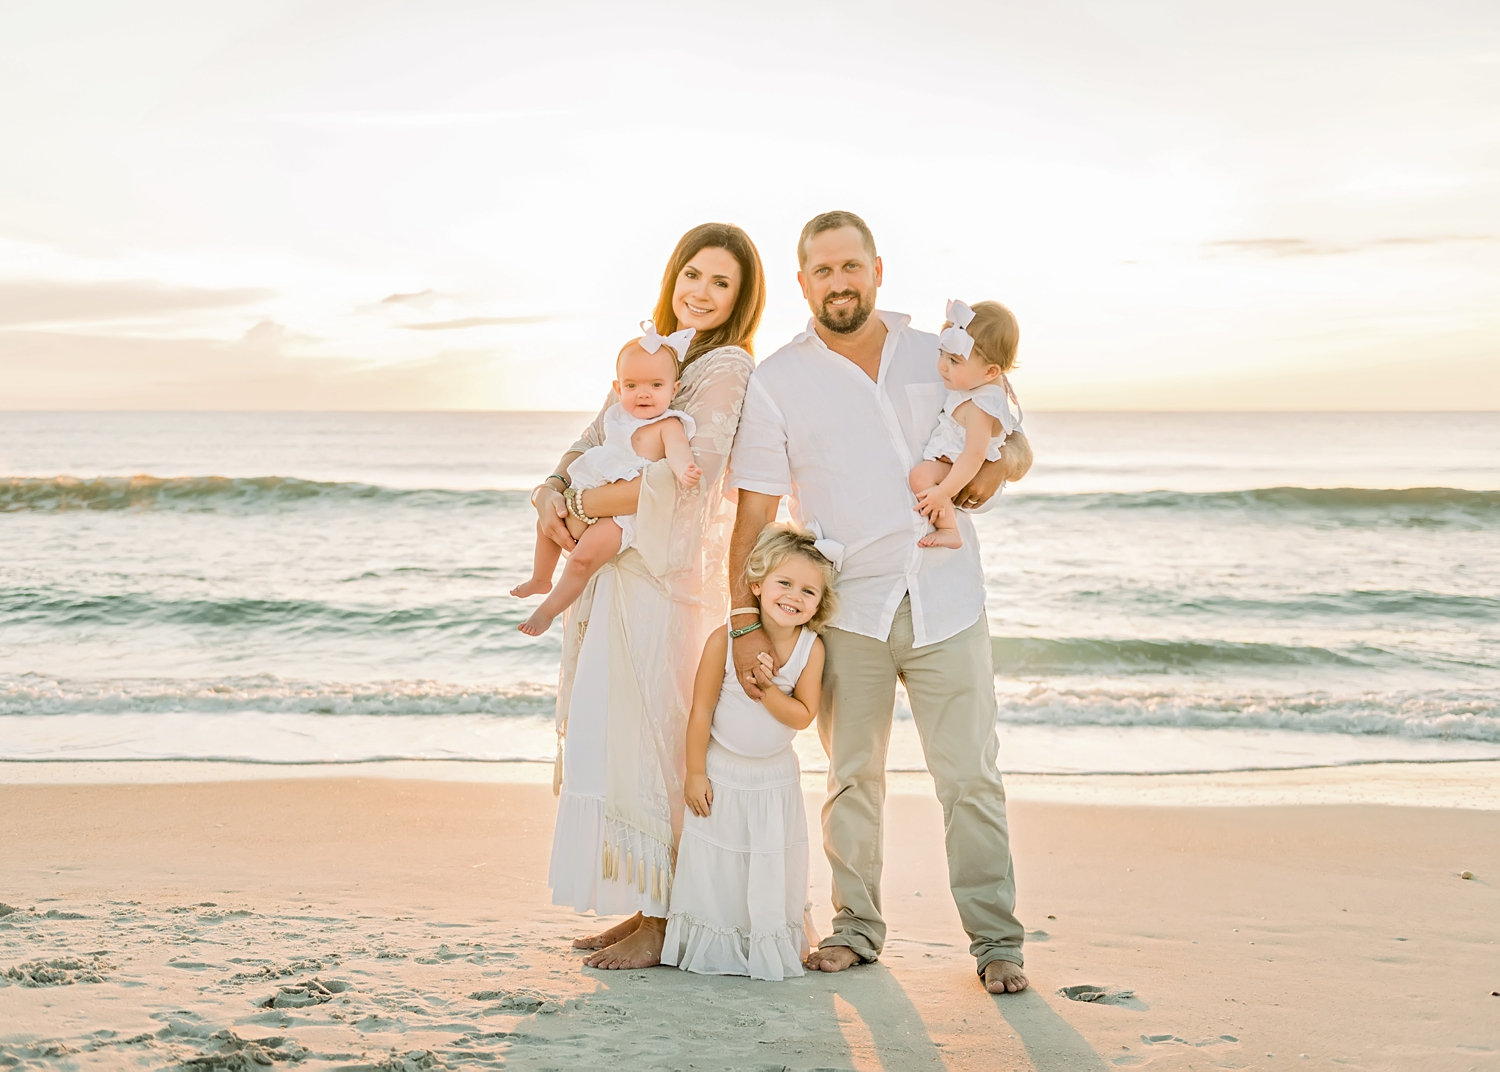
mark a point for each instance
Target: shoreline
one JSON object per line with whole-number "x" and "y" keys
{"x": 1444, "y": 783}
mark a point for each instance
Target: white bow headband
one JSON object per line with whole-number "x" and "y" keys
{"x": 829, "y": 549}
{"x": 955, "y": 339}
{"x": 651, "y": 341}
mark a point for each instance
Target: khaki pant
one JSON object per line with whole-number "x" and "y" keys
{"x": 952, "y": 689}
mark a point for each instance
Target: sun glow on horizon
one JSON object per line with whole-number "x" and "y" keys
{"x": 1187, "y": 210}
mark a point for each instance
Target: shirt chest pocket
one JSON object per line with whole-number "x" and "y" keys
{"x": 925, "y": 402}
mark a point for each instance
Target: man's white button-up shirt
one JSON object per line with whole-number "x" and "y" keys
{"x": 842, "y": 446}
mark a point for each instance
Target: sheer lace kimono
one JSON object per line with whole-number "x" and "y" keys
{"x": 669, "y": 591}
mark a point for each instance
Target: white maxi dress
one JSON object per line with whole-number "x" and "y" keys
{"x": 739, "y": 899}
{"x": 631, "y": 645}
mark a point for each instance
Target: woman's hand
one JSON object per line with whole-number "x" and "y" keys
{"x": 551, "y": 516}
{"x": 698, "y": 792}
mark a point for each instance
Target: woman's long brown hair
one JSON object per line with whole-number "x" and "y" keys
{"x": 749, "y": 303}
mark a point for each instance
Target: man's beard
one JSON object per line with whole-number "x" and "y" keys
{"x": 849, "y": 319}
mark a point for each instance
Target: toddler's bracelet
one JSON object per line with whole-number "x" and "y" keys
{"x": 736, "y": 633}
{"x": 744, "y": 610}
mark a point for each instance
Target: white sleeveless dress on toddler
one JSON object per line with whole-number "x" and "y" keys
{"x": 615, "y": 459}
{"x": 739, "y": 893}
{"x": 947, "y": 439}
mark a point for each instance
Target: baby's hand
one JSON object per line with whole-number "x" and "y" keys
{"x": 931, "y": 502}
{"x": 698, "y": 793}
{"x": 690, "y": 476}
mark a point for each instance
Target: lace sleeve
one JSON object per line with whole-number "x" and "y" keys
{"x": 683, "y": 536}
{"x": 593, "y": 435}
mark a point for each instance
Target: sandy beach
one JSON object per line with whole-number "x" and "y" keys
{"x": 376, "y": 917}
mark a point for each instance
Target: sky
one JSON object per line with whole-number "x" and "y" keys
{"x": 384, "y": 205}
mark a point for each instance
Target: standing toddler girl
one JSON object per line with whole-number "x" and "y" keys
{"x": 739, "y": 893}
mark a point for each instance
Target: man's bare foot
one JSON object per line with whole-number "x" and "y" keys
{"x": 832, "y": 958}
{"x": 640, "y": 949}
{"x": 537, "y": 624}
{"x": 533, "y": 587}
{"x": 609, "y": 937}
{"x": 1003, "y": 977}
{"x": 942, "y": 538}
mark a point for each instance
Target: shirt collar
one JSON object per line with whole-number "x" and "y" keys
{"x": 894, "y": 323}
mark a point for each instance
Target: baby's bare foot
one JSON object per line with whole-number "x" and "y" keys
{"x": 537, "y": 624}
{"x": 942, "y": 538}
{"x": 609, "y": 937}
{"x": 532, "y": 587}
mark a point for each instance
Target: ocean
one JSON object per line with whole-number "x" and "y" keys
{"x": 1166, "y": 591}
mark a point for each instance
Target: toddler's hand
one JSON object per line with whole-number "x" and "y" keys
{"x": 698, "y": 793}
{"x": 931, "y": 502}
{"x": 690, "y": 476}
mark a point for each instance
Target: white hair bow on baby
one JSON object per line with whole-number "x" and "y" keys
{"x": 829, "y": 549}
{"x": 955, "y": 339}
{"x": 651, "y": 340}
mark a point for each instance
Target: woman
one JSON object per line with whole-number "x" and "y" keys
{"x": 631, "y": 642}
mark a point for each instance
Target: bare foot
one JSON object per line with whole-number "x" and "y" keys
{"x": 942, "y": 538}
{"x": 641, "y": 949}
{"x": 833, "y": 958}
{"x": 537, "y": 624}
{"x": 609, "y": 937}
{"x": 533, "y": 587}
{"x": 1003, "y": 977}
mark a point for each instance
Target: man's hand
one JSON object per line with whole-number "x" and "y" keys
{"x": 752, "y": 655}
{"x": 1014, "y": 463}
{"x": 698, "y": 792}
{"x": 552, "y": 515}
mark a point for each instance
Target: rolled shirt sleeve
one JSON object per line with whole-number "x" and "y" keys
{"x": 759, "y": 461}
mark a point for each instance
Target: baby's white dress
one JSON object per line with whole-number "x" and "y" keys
{"x": 615, "y": 459}
{"x": 947, "y": 439}
{"x": 739, "y": 894}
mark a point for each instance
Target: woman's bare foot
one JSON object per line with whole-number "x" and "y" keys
{"x": 609, "y": 937}
{"x": 942, "y": 538}
{"x": 537, "y": 624}
{"x": 1003, "y": 977}
{"x": 533, "y": 587}
{"x": 833, "y": 958}
{"x": 641, "y": 949}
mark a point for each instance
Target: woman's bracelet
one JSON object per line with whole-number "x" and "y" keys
{"x": 561, "y": 478}
{"x": 737, "y": 633}
{"x": 744, "y": 610}
{"x": 574, "y": 498}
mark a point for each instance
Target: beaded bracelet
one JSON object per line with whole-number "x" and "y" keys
{"x": 736, "y": 633}
{"x": 574, "y": 498}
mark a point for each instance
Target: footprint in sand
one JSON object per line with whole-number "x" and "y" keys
{"x": 60, "y": 971}
{"x": 1103, "y": 995}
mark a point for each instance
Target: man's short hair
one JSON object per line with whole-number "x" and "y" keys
{"x": 832, "y": 221}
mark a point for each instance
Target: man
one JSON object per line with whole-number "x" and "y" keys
{"x": 836, "y": 419}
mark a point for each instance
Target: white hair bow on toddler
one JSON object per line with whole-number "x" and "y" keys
{"x": 829, "y": 549}
{"x": 955, "y": 339}
{"x": 652, "y": 341}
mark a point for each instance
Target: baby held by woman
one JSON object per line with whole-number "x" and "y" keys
{"x": 638, "y": 430}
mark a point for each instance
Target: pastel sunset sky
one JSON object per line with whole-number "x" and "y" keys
{"x": 340, "y": 205}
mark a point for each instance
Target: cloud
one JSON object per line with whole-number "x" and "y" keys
{"x": 420, "y": 297}
{"x": 476, "y": 322}
{"x": 412, "y": 119}
{"x": 37, "y": 302}
{"x": 1306, "y": 247}
{"x": 57, "y": 370}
